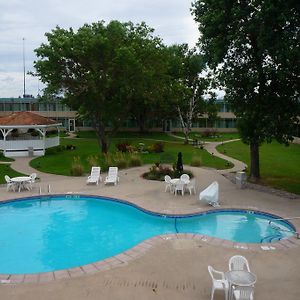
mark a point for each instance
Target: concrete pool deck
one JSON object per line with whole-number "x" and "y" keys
{"x": 171, "y": 268}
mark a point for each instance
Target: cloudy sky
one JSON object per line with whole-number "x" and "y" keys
{"x": 30, "y": 19}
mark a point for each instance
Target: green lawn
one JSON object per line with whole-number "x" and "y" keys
{"x": 279, "y": 164}
{"x": 222, "y": 136}
{"x": 60, "y": 163}
{"x": 5, "y": 169}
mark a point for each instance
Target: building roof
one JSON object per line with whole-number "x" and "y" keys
{"x": 25, "y": 118}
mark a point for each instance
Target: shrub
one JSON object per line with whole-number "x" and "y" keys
{"x": 120, "y": 161}
{"x": 135, "y": 161}
{"x": 158, "y": 147}
{"x": 77, "y": 167}
{"x": 196, "y": 161}
{"x": 93, "y": 160}
{"x": 124, "y": 147}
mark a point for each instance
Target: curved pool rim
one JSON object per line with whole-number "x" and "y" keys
{"x": 143, "y": 247}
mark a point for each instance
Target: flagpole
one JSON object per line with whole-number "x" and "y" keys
{"x": 24, "y": 84}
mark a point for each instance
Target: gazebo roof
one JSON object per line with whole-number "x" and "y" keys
{"x": 26, "y": 118}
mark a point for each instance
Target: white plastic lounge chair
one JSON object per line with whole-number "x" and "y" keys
{"x": 168, "y": 183}
{"x": 179, "y": 186}
{"x": 112, "y": 176}
{"x": 95, "y": 176}
{"x": 219, "y": 283}
{"x": 238, "y": 263}
{"x": 9, "y": 184}
{"x": 211, "y": 194}
{"x": 243, "y": 292}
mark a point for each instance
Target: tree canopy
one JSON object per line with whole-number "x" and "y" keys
{"x": 101, "y": 70}
{"x": 253, "y": 47}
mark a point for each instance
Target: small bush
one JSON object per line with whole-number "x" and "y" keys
{"x": 93, "y": 160}
{"x": 124, "y": 147}
{"x": 135, "y": 161}
{"x": 120, "y": 161}
{"x": 158, "y": 147}
{"x": 77, "y": 167}
{"x": 196, "y": 161}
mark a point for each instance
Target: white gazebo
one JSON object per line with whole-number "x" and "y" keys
{"x": 24, "y": 134}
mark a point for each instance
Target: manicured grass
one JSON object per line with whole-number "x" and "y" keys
{"x": 221, "y": 136}
{"x": 5, "y": 169}
{"x": 60, "y": 163}
{"x": 279, "y": 164}
{"x": 3, "y": 158}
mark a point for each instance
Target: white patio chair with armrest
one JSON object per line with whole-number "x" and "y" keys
{"x": 168, "y": 183}
{"x": 112, "y": 176}
{"x": 95, "y": 176}
{"x": 179, "y": 186}
{"x": 243, "y": 292}
{"x": 9, "y": 184}
{"x": 238, "y": 263}
{"x": 218, "y": 282}
{"x": 211, "y": 194}
{"x": 28, "y": 184}
{"x": 191, "y": 186}
{"x": 185, "y": 178}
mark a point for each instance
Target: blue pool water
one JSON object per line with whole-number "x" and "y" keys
{"x": 47, "y": 234}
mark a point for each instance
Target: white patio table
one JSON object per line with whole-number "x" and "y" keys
{"x": 239, "y": 278}
{"x": 174, "y": 181}
{"x": 20, "y": 181}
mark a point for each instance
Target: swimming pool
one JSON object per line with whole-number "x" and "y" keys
{"x": 60, "y": 232}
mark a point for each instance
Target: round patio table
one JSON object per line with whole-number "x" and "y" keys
{"x": 239, "y": 278}
{"x": 20, "y": 181}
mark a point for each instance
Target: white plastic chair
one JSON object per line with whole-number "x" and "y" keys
{"x": 191, "y": 187}
{"x": 9, "y": 184}
{"x": 185, "y": 178}
{"x": 168, "y": 183}
{"x": 28, "y": 184}
{"x": 95, "y": 176}
{"x": 238, "y": 263}
{"x": 211, "y": 194}
{"x": 112, "y": 176}
{"x": 243, "y": 292}
{"x": 179, "y": 187}
{"x": 219, "y": 283}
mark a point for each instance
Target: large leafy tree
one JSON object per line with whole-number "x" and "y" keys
{"x": 99, "y": 70}
{"x": 253, "y": 46}
{"x": 187, "y": 85}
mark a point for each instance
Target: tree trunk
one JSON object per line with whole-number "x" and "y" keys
{"x": 102, "y": 138}
{"x": 254, "y": 164}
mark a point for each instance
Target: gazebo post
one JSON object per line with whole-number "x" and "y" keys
{"x": 5, "y": 132}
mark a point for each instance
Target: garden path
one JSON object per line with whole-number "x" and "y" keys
{"x": 211, "y": 148}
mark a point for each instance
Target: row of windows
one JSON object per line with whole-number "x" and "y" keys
{"x": 18, "y": 104}
{"x": 33, "y": 106}
{"x": 202, "y": 123}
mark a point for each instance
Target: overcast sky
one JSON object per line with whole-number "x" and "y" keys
{"x": 30, "y": 19}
